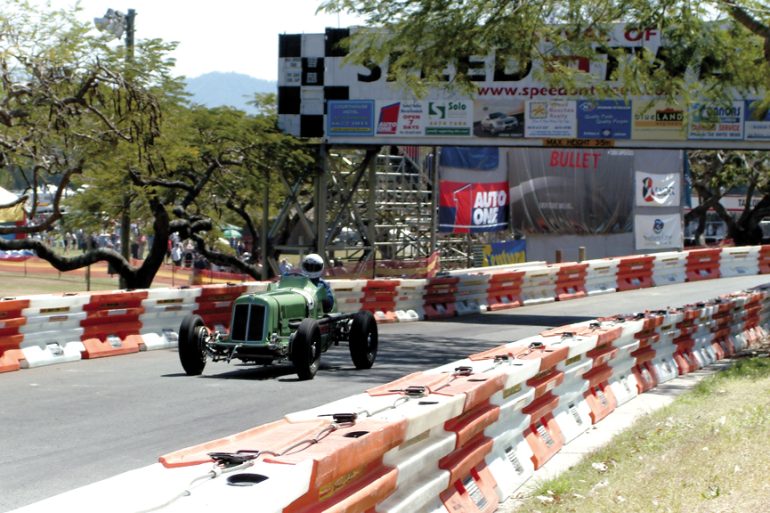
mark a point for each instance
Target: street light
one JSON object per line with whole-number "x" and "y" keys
{"x": 116, "y": 24}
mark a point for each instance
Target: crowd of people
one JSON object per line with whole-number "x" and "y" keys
{"x": 180, "y": 253}
{"x": 80, "y": 240}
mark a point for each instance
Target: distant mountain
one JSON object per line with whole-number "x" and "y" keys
{"x": 218, "y": 89}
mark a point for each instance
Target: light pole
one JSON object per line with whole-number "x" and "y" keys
{"x": 116, "y": 23}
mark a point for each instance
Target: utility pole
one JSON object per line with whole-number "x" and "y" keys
{"x": 125, "y": 216}
{"x": 116, "y": 23}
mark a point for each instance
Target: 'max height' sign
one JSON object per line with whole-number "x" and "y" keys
{"x": 321, "y": 96}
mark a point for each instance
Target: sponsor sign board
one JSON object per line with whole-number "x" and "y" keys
{"x": 321, "y": 94}
{"x": 723, "y": 122}
{"x": 657, "y": 190}
{"x": 658, "y": 232}
{"x": 504, "y": 253}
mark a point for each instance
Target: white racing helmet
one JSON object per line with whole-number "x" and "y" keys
{"x": 312, "y": 266}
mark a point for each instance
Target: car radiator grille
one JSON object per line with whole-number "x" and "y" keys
{"x": 248, "y": 322}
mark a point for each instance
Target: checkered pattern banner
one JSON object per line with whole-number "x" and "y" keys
{"x": 303, "y": 85}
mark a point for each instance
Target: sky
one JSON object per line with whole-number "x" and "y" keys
{"x": 219, "y": 35}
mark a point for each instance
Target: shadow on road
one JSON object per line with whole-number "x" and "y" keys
{"x": 513, "y": 319}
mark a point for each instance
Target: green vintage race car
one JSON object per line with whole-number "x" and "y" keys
{"x": 285, "y": 323}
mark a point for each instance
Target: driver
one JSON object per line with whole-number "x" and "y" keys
{"x": 312, "y": 267}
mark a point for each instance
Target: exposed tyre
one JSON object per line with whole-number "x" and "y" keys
{"x": 363, "y": 340}
{"x": 306, "y": 349}
{"x": 192, "y": 339}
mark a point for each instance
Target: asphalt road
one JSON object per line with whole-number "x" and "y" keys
{"x": 69, "y": 425}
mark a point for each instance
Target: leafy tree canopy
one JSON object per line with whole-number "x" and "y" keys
{"x": 710, "y": 48}
{"x": 79, "y": 111}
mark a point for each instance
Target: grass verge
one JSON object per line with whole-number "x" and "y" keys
{"x": 15, "y": 284}
{"x": 706, "y": 452}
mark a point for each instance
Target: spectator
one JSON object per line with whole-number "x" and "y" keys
{"x": 285, "y": 267}
{"x": 176, "y": 254}
{"x": 200, "y": 262}
{"x": 134, "y": 249}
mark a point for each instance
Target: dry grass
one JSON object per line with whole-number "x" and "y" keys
{"x": 16, "y": 284}
{"x": 706, "y": 452}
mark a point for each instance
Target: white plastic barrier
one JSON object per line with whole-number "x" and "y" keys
{"x": 409, "y": 300}
{"x": 669, "y": 268}
{"x": 573, "y": 414}
{"x": 164, "y": 310}
{"x": 159, "y": 484}
{"x": 539, "y": 285}
{"x": 348, "y": 294}
{"x": 601, "y": 276}
{"x": 495, "y": 269}
{"x": 664, "y": 363}
{"x": 740, "y": 261}
{"x": 420, "y": 480}
{"x": 703, "y": 350}
{"x": 623, "y": 382}
{"x": 494, "y": 388}
{"x": 52, "y": 333}
{"x": 471, "y": 295}
{"x": 510, "y": 460}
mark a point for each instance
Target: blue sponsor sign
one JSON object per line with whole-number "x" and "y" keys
{"x": 504, "y": 253}
{"x": 757, "y": 121}
{"x": 604, "y": 119}
{"x": 350, "y": 118}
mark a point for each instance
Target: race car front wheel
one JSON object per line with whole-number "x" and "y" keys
{"x": 363, "y": 340}
{"x": 306, "y": 349}
{"x": 192, "y": 340}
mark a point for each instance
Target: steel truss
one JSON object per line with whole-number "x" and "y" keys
{"x": 373, "y": 204}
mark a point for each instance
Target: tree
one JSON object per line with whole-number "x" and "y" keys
{"x": 702, "y": 57}
{"x": 232, "y": 163}
{"x": 714, "y": 173}
{"x": 75, "y": 111}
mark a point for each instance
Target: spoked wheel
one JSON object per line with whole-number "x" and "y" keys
{"x": 363, "y": 340}
{"x": 192, "y": 344}
{"x": 306, "y": 349}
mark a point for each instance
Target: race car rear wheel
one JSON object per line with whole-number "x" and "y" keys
{"x": 363, "y": 340}
{"x": 306, "y": 349}
{"x": 192, "y": 344}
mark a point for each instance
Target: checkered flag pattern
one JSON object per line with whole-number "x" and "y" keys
{"x": 305, "y": 82}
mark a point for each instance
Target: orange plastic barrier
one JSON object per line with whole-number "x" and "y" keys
{"x": 646, "y": 376}
{"x": 348, "y": 473}
{"x": 604, "y": 334}
{"x": 703, "y": 264}
{"x": 275, "y": 436}
{"x": 11, "y": 319}
{"x": 684, "y": 356}
{"x": 472, "y": 486}
{"x": 380, "y": 296}
{"x": 599, "y": 396}
{"x": 440, "y": 297}
{"x": 722, "y": 343}
{"x": 471, "y": 423}
{"x": 543, "y": 435}
{"x": 635, "y": 272}
{"x": 215, "y": 302}
{"x": 571, "y": 281}
{"x": 112, "y": 324}
{"x": 504, "y": 290}
{"x": 764, "y": 260}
